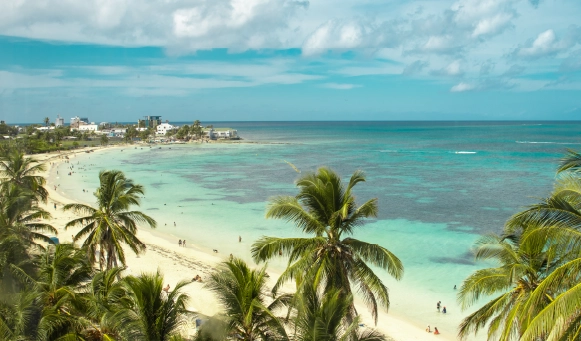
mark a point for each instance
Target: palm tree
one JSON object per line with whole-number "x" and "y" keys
{"x": 524, "y": 260}
{"x": 326, "y": 209}
{"x": 17, "y": 169}
{"x": 322, "y": 316}
{"x": 242, "y": 292}
{"x": 19, "y": 231}
{"x": 112, "y": 224}
{"x": 571, "y": 162}
{"x": 99, "y": 305}
{"x": 61, "y": 271}
{"x": 147, "y": 313}
{"x": 46, "y": 121}
{"x": 560, "y": 319}
{"x": 559, "y": 216}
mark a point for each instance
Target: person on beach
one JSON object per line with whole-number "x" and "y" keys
{"x": 454, "y": 286}
{"x": 231, "y": 257}
{"x": 239, "y": 239}
{"x": 55, "y": 205}
{"x": 180, "y": 243}
{"x": 438, "y": 305}
{"x": 444, "y": 310}
{"x": 184, "y": 243}
{"x": 428, "y": 329}
{"x": 436, "y": 331}
{"x": 174, "y": 223}
{"x": 166, "y": 289}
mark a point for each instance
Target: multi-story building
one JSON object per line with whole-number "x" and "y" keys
{"x": 77, "y": 121}
{"x": 59, "y": 122}
{"x": 163, "y": 128}
{"x": 149, "y": 122}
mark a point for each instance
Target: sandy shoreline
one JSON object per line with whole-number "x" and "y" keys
{"x": 178, "y": 264}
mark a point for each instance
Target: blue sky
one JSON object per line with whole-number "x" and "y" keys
{"x": 223, "y": 60}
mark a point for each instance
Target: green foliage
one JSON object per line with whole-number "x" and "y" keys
{"x": 112, "y": 224}
{"x": 243, "y": 294}
{"x": 330, "y": 259}
{"x": 539, "y": 274}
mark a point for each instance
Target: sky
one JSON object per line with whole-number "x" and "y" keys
{"x": 286, "y": 60}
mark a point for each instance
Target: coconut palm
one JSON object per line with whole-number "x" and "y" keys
{"x": 326, "y": 209}
{"x": 19, "y": 231}
{"x": 524, "y": 260}
{"x": 112, "y": 224}
{"x": 559, "y": 216}
{"x": 571, "y": 162}
{"x": 560, "y": 319}
{"x": 243, "y": 294}
{"x": 99, "y": 305}
{"x": 46, "y": 121}
{"x": 147, "y": 313}
{"x": 322, "y": 316}
{"x": 61, "y": 271}
{"x": 19, "y": 170}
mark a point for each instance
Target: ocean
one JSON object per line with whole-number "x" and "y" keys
{"x": 439, "y": 184}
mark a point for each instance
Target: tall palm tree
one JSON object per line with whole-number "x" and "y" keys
{"x": 46, "y": 121}
{"x": 147, "y": 313}
{"x": 112, "y": 224}
{"x": 17, "y": 169}
{"x": 243, "y": 294}
{"x": 326, "y": 209}
{"x": 524, "y": 260}
{"x": 322, "y": 316}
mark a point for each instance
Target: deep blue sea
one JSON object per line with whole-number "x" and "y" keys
{"x": 439, "y": 184}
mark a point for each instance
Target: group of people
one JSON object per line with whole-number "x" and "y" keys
{"x": 436, "y": 331}
{"x": 182, "y": 243}
{"x": 439, "y": 305}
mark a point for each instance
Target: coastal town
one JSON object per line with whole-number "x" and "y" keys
{"x": 81, "y": 132}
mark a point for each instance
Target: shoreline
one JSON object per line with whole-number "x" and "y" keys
{"x": 174, "y": 262}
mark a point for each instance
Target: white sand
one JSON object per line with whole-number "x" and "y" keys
{"x": 178, "y": 264}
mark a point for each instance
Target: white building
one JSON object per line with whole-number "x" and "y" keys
{"x": 45, "y": 128}
{"x": 59, "y": 122}
{"x": 221, "y": 133}
{"x": 89, "y": 127}
{"x": 164, "y": 128}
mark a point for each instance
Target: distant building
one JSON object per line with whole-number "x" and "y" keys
{"x": 163, "y": 128}
{"x": 76, "y": 122}
{"x": 220, "y": 133}
{"x": 150, "y": 121}
{"x": 88, "y": 127}
{"x": 59, "y": 122}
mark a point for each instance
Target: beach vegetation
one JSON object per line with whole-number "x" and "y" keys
{"x": 112, "y": 224}
{"x": 243, "y": 293}
{"x": 539, "y": 272}
{"x": 17, "y": 169}
{"x": 330, "y": 259}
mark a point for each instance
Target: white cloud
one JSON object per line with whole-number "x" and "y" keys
{"x": 340, "y": 86}
{"x": 461, "y": 87}
{"x": 548, "y": 44}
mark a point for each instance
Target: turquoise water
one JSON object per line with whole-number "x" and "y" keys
{"x": 439, "y": 185}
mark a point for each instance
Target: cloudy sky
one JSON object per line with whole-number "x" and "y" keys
{"x": 117, "y": 60}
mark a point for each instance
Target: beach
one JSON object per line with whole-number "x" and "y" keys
{"x": 182, "y": 264}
